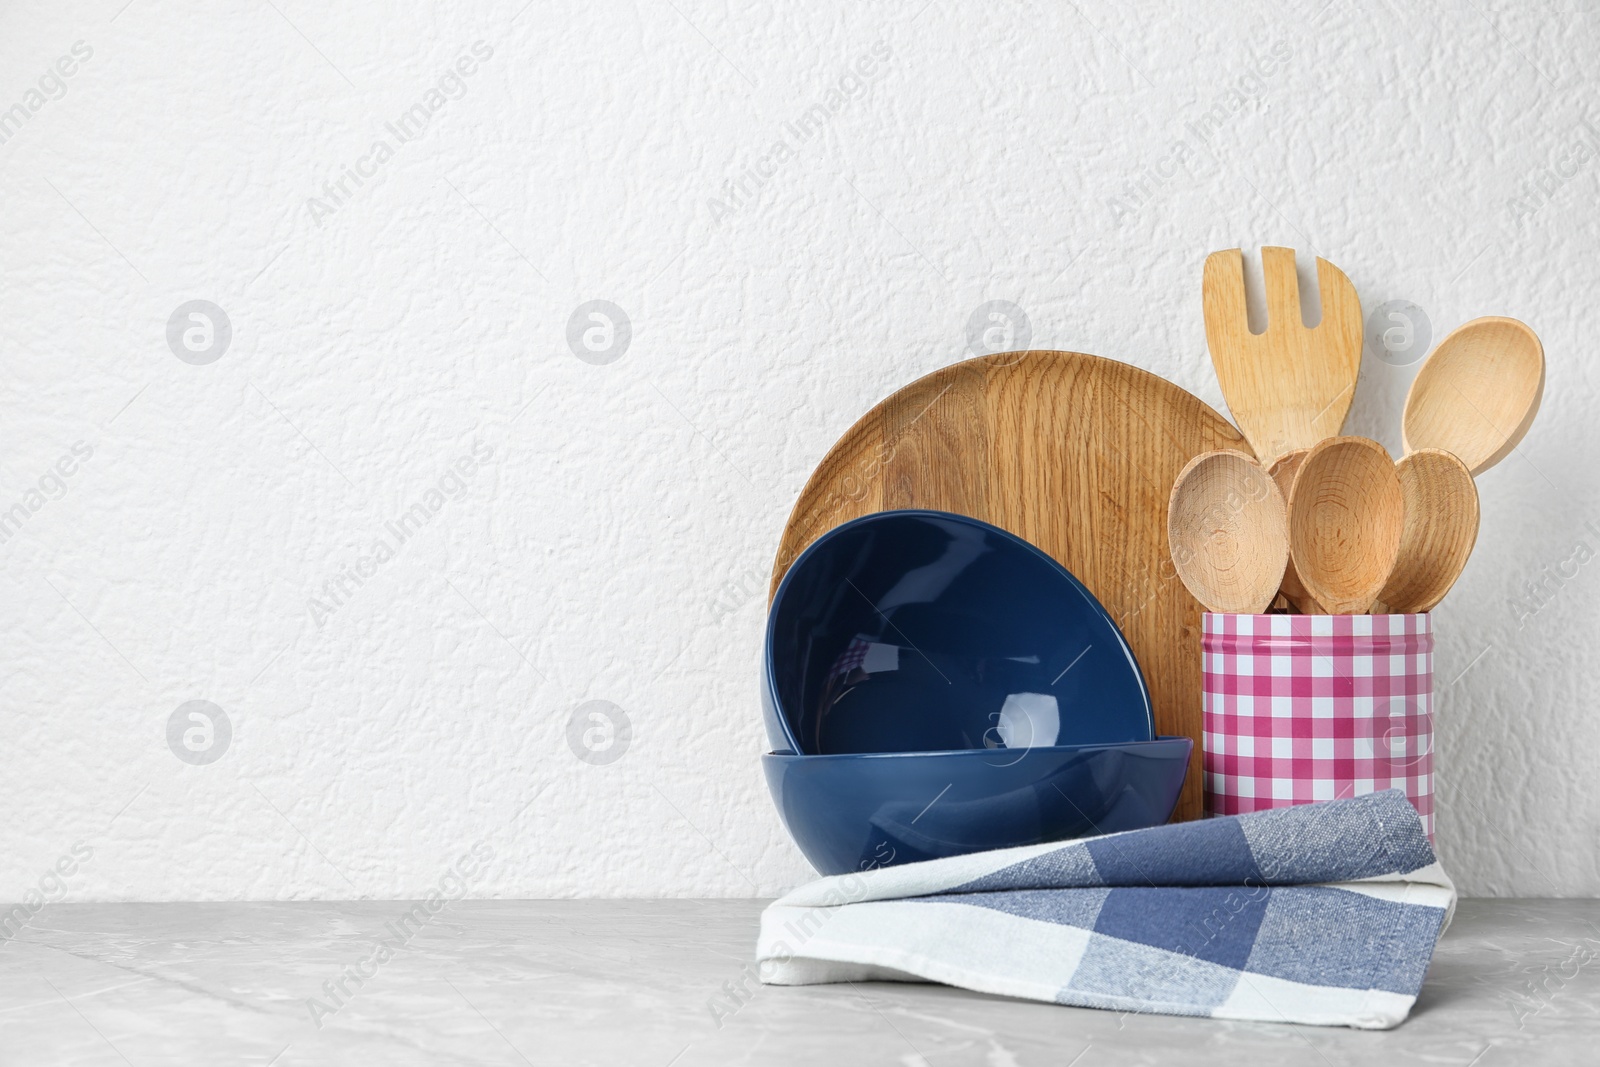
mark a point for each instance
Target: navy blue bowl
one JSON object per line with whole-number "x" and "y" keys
{"x": 856, "y": 812}
{"x": 925, "y": 631}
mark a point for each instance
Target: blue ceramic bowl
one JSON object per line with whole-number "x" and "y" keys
{"x": 856, "y": 812}
{"x": 925, "y": 631}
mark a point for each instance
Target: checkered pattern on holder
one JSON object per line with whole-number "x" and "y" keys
{"x": 1300, "y": 708}
{"x": 1325, "y": 914}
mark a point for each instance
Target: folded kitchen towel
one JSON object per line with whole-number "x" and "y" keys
{"x": 1323, "y": 913}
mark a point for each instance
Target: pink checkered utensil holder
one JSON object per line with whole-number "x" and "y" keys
{"x": 1317, "y": 707}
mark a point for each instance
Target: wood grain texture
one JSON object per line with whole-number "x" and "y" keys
{"x": 1289, "y": 386}
{"x": 1441, "y": 527}
{"x": 1346, "y": 515}
{"x": 1228, "y": 532}
{"x": 1478, "y": 393}
{"x": 1283, "y": 470}
{"x": 1072, "y": 452}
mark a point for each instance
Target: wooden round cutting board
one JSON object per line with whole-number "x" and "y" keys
{"x": 1072, "y": 452}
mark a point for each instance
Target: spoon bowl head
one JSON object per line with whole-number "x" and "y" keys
{"x": 1346, "y": 514}
{"x": 1227, "y": 530}
{"x": 1441, "y": 526}
{"x": 1478, "y": 393}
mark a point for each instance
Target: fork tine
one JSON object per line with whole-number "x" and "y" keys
{"x": 1341, "y": 307}
{"x": 1283, "y": 289}
{"x": 1222, "y": 290}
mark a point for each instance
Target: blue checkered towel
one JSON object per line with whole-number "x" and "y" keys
{"x": 1323, "y": 913}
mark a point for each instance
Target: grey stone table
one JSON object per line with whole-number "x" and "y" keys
{"x": 662, "y": 983}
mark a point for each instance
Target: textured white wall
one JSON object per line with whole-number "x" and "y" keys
{"x": 602, "y": 531}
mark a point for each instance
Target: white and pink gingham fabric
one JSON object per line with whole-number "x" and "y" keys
{"x": 1300, "y": 708}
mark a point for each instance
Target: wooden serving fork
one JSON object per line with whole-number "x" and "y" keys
{"x": 1288, "y": 387}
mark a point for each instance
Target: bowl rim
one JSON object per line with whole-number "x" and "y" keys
{"x": 769, "y": 634}
{"x": 1163, "y": 740}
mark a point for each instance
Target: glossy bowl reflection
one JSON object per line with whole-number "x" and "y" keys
{"x": 925, "y": 631}
{"x": 856, "y": 812}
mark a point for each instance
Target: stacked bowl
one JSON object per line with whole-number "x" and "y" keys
{"x": 934, "y": 686}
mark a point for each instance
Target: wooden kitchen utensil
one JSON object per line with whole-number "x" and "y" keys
{"x": 1283, "y": 470}
{"x": 1227, "y": 530}
{"x": 1290, "y": 386}
{"x": 1478, "y": 393}
{"x": 1441, "y": 526}
{"x": 1075, "y": 453}
{"x": 1346, "y": 515}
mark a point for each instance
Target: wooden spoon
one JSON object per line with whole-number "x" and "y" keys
{"x": 1477, "y": 394}
{"x": 1228, "y": 533}
{"x": 1346, "y": 514}
{"x": 1441, "y": 526}
{"x": 1288, "y": 387}
{"x": 1283, "y": 470}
